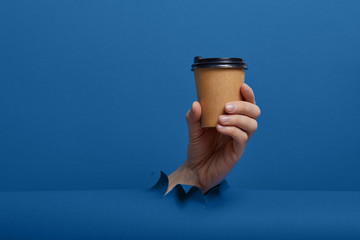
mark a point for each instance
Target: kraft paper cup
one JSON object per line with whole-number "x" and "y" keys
{"x": 218, "y": 81}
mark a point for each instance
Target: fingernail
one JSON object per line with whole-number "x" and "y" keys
{"x": 220, "y": 127}
{"x": 229, "y": 107}
{"x": 224, "y": 119}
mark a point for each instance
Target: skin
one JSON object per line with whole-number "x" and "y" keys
{"x": 213, "y": 152}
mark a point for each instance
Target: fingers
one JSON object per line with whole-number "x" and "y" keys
{"x": 193, "y": 117}
{"x": 239, "y": 136}
{"x": 247, "y": 93}
{"x": 243, "y": 108}
{"x": 240, "y": 122}
{"x": 245, "y": 123}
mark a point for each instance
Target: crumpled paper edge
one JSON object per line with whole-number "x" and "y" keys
{"x": 184, "y": 194}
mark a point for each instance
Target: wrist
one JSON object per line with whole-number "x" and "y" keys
{"x": 183, "y": 175}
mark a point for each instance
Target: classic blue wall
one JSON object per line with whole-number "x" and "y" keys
{"x": 93, "y": 94}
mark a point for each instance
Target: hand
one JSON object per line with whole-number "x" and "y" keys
{"x": 213, "y": 152}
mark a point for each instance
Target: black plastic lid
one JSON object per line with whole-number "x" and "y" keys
{"x": 200, "y": 62}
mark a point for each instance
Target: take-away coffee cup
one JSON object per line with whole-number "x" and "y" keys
{"x": 218, "y": 81}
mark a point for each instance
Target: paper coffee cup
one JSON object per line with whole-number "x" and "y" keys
{"x": 218, "y": 81}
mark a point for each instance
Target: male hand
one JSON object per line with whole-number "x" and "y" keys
{"x": 213, "y": 152}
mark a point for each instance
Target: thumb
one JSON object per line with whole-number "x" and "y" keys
{"x": 193, "y": 117}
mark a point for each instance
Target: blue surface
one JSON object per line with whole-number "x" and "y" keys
{"x": 93, "y": 94}
{"x": 130, "y": 214}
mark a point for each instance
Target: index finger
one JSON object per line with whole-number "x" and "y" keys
{"x": 243, "y": 108}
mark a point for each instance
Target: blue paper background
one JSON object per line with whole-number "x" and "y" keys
{"x": 93, "y": 94}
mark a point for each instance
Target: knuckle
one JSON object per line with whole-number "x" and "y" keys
{"x": 244, "y": 137}
{"x": 239, "y": 135}
{"x": 254, "y": 126}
